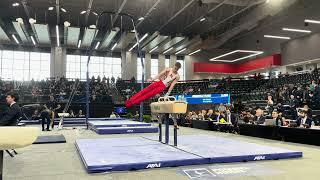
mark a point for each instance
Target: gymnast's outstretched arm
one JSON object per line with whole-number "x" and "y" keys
{"x": 172, "y": 85}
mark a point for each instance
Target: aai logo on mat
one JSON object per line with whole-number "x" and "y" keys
{"x": 258, "y": 158}
{"x": 154, "y": 165}
{"x": 130, "y": 131}
{"x": 198, "y": 173}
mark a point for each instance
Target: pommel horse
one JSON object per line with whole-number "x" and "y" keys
{"x": 16, "y": 137}
{"x": 165, "y": 107}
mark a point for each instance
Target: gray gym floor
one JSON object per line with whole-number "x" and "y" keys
{"x": 62, "y": 162}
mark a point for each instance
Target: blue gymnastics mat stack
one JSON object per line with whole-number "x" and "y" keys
{"x": 123, "y": 154}
{"x": 121, "y": 127}
{"x": 72, "y": 121}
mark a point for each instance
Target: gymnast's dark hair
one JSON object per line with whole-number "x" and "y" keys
{"x": 178, "y": 65}
{"x": 14, "y": 95}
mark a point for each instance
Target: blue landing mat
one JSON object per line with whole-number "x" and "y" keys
{"x": 121, "y": 154}
{"x": 125, "y": 130}
{"x": 91, "y": 119}
{"x": 117, "y": 123}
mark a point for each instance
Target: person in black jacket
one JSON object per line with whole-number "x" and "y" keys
{"x": 11, "y": 116}
{"x": 303, "y": 119}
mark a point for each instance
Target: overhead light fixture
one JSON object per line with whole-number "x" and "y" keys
{"x": 15, "y": 38}
{"x": 92, "y": 26}
{"x": 79, "y": 43}
{"x": 267, "y": 1}
{"x": 114, "y": 46}
{"x": 140, "y": 40}
{"x": 33, "y": 41}
{"x": 181, "y": 51}
{"x": 95, "y": 13}
{"x": 296, "y": 30}
{"x": 19, "y": 20}
{"x": 141, "y": 18}
{"x": 196, "y": 51}
{"x": 66, "y": 24}
{"x": 50, "y": 8}
{"x": 132, "y": 31}
{"x": 97, "y": 45}
{"x": 15, "y": 4}
{"x": 276, "y": 37}
{"x": 32, "y": 21}
{"x": 168, "y": 50}
{"x": 82, "y": 12}
{"x": 312, "y": 21}
{"x": 58, "y": 38}
{"x": 153, "y": 49}
{"x": 254, "y": 53}
{"x": 202, "y": 19}
{"x": 63, "y": 9}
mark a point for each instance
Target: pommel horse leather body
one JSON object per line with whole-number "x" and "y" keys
{"x": 165, "y": 106}
{"x": 169, "y": 105}
{"x": 16, "y": 137}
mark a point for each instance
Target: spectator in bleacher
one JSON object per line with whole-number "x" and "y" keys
{"x": 133, "y": 79}
{"x": 230, "y": 117}
{"x": 278, "y": 121}
{"x": 113, "y": 115}
{"x": 209, "y": 115}
{"x": 303, "y": 120}
{"x": 80, "y": 114}
{"x": 189, "y": 118}
{"x": 194, "y": 115}
{"x": 113, "y": 80}
{"x": 259, "y": 118}
{"x": 270, "y": 103}
{"x": 108, "y": 81}
{"x": 222, "y": 108}
{"x": 309, "y": 111}
{"x": 201, "y": 115}
{"x": 71, "y": 114}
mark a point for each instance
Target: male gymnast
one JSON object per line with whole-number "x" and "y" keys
{"x": 166, "y": 78}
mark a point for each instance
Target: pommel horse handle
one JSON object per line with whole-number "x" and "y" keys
{"x": 166, "y": 98}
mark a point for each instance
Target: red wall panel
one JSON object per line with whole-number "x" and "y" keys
{"x": 266, "y": 62}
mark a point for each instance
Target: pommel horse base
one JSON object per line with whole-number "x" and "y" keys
{"x": 165, "y": 107}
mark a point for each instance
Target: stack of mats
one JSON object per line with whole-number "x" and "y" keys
{"x": 71, "y": 121}
{"x": 121, "y": 127}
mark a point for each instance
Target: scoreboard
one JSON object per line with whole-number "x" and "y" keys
{"x": 205, "y": 98}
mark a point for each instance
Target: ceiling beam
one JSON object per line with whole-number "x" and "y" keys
{"x": 149, "y": 12}
{"x": 88, "y": 11}
{"x": 175, "y": 15}
{"x": 58, "y": 11}
{"x": 210, "y": 11}
{"x": 119, "y": 11}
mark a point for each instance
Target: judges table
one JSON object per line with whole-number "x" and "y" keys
{"x": 297, "y": 135}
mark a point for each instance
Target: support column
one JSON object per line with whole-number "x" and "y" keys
{"x": 161, "y": 62}
{"x": 189, "y": 69}
{"x": 173, "y": 60}
{"x": 147, "y": 66}
{"x": 128, "y": 65}
{"x": 58, "y": 62}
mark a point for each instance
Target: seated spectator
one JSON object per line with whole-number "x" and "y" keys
{"x": 230, "y": 117}
{"x": 194, "y": 115}
{"x": 137, "y": 115}
{"x": 71, "y": 114}
{"x": 113, "y": 115}
{"x": 35, "y": 115}
{"x": 11, "y": 116}
{"x": 259, "y": 118}
{"x": 201, "y": 115}
{"x": 303, "y": 119}
{"x": 189, "y": 118}
{"x": 209, "y": 115}
{"x": 309, "y": 111}
{"x": 276, "y": 116}
{"x": 269, "y": 107}
{"x": 222, "y": 108}
{"x": 80, "y": 114}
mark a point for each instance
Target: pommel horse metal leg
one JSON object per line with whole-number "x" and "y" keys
{"x": 167, "y": 128}
{"x": 175, "y": 130}
{"x": 1, "y": 164}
